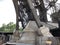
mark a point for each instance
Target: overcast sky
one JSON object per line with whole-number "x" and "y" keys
{"x": 7, "y": 12}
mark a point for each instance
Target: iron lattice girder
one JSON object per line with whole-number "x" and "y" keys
{"x": 29, "y": 2}
{"x": 27, "y": 10}
{"x": 17, "y": 13}
{"x": 39, "y": 23}
{"x": 41, "y": 8}
{"x": 20, "y": 9}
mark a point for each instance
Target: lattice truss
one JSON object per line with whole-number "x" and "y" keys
{"x": 41, "y": 6}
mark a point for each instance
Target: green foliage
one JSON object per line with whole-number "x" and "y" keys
{"x": 21, "y": 29}
{"x": 8, "y": 28}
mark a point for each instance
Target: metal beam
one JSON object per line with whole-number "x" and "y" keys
{"x": 43, "y": 11}
{"x": 17, "y": 13}
{"x": 39, "y": 23}
{"x": 34, "y": 13}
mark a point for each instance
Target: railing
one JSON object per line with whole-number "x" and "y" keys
{"x": 40, "y": 40}
{"x": 5, "y": 36}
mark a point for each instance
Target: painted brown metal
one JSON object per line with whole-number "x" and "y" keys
{"x": 17, "y": 13}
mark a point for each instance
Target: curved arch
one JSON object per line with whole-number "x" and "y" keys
{"x": 15, "y": 2}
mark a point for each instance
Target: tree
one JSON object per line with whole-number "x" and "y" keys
{"x": 11, "y": 26}
{"x": 55, "y": 16}
{"x": 8, "y": 28}
{"x": 3, "y": 27}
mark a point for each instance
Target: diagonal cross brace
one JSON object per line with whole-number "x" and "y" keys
{"x": 39, "y": 23}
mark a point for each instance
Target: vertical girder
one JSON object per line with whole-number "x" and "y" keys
{"x": 42, "y": 11}
{"x": 29, "y": 6}
{"x": 17, "y": 13}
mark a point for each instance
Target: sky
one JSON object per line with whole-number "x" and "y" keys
{"x": 7, "y": 12}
